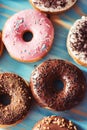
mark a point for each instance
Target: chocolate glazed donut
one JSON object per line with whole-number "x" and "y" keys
{"x": 15, "y": 99}
{"x": 45, "y": 91}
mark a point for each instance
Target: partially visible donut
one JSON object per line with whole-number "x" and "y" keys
{"x": 55, "y": 123}
{"x": 77, "y": 41}
{"x": 1, "y": 44}
{"x": 53, "y": 6}
{"x": 15, "y": 99}
{"x": 44, "y": 89}
{"x": 28, "y": 35}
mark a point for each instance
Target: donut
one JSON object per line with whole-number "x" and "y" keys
{"x": 55, "y": 123}
{"x": 45, "y": 88}
{"x": 52, "y": 6}
{"x": 1, "y": 44}
{"x": 15, "y": 99}
{"x": 77, "y": 41}
{"x": 28, "y": 35}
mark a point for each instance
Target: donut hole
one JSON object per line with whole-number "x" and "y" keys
{"x": 5, "y": 99}
{"x": 27, "y": 36}
{"x": 58, "y": 84}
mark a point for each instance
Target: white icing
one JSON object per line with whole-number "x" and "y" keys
{"x": 80, "y": 55}
{"x": 51, "y": 9}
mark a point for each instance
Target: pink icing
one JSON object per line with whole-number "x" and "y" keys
{"x": 41, "y": 28}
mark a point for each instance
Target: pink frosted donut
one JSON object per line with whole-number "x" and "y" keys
{"x": 19, "y": 27}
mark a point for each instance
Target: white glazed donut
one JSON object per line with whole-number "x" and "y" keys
{"x": 53, "y": 6}
{"x": 77, "y": 41}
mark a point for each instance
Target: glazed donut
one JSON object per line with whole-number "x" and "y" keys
{"x": 77, "y": 41}
{"x": 55, "y": 123}
{"x": 44, "y": 80}
{"x": 52, "y": 6}
{"x": 15, "y": 99}
{"x": 16, "y": 35}
{"x": 1, "y": 44}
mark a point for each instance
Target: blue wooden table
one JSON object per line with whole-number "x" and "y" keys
{"x": 77, "y": 114}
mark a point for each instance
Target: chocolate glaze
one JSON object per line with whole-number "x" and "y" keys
{"x": 20, "y": 98}
{"x": 55, "y": 123}
{"x": 43, "y": 84}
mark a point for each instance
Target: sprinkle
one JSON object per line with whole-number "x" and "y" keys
{"x": 75, "y": 128}
{"x": 48, "y": 25}
{"x": 6, "y": 35}
{"x": 18, "y": 23}
{"x": 22, "y": 57}
{"x": 25, "y": 50}
{"x": 29, "y": 97}
{"x": 43, "y": 47}
{"x": 35, "y": 66}
{"x": 70, "y": 123}
{"x": 20, "y": 20}
{"x": 44, "y": 128}
{"x": 38, "y": 126}
{"x": 47, "y": 128}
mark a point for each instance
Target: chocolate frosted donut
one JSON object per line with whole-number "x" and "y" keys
{"x": 53, "y": 6}
{"x": 15, "y": 99}
{"x": 77, "y": 41}
{"x": 54, "y": 123}
{"x": 44, "y": 89}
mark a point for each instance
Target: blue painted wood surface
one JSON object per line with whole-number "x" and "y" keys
{"x": 77, "y": 114}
